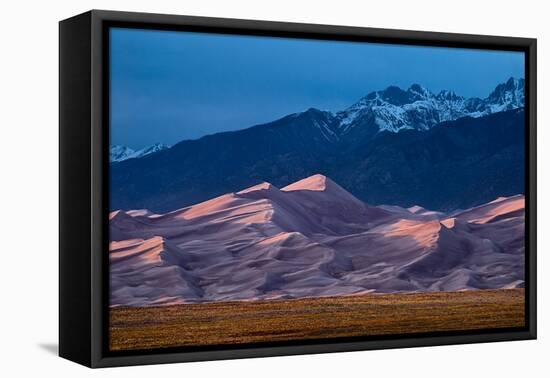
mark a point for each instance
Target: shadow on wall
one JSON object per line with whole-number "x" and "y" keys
{"x": 51, "y": 348}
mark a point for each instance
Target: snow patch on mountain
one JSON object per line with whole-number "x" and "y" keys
{"x": 119, "y": 153}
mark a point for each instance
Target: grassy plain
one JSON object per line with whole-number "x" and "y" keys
{"x": 313, "y": 318}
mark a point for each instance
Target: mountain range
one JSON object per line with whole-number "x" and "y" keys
{"x": 394, "y": 109}
{"x": 118, "y": 153}
{"x": 311, "y": 238}
{"x": 400, "y": 147}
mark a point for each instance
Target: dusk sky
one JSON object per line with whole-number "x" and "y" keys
{"x": 171, "y": 86}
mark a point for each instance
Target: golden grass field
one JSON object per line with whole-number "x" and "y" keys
{"x": 315, "y": 318}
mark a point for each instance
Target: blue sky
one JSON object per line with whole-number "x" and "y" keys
{"x": 170, "y": 86}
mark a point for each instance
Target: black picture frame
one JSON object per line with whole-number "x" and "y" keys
{"x": 83, "y": 180}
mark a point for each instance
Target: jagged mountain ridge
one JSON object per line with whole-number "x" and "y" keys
{"x": 395, "y": 109}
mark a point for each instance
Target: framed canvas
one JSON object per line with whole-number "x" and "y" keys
{"x": 235, "y": 188}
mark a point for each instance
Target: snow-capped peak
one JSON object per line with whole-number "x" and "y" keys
{"x": 151, "y": 149}
{"x": 446, "y": 95}
{"x": 394, "y": 109}
{"x": 118, "y": 153}
{"x": 508, "y": 96}
{"x": 420, "y": 91}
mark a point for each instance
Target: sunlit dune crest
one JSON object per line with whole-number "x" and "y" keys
{"x": 113, "y": 214}
{"x": 140, "y": 213}
{"x": 262, "y": 186}
{"x": 449, "y": 222}
{"x": 141, "y": 251}
{"x": 211, "y": 206}
{"x": 487, "y": 212}
{"x": 316, "y": 182}
{"x": 416, "y": 209}
{"x": 423, "y": 232}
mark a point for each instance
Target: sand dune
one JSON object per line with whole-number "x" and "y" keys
{"x": 309, "y": 239}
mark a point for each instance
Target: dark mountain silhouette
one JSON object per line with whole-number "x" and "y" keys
{"x": 455, "y": 164}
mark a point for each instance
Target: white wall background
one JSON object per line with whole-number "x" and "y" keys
{"x": 29, "y": 186}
